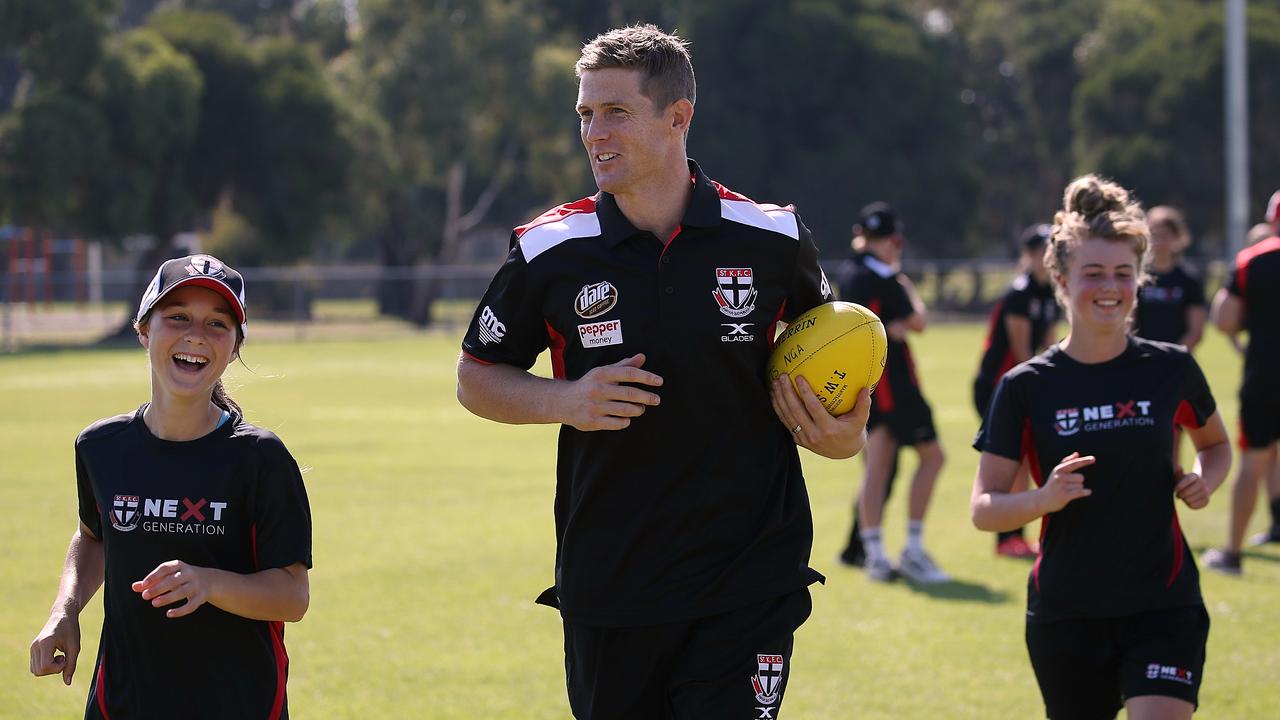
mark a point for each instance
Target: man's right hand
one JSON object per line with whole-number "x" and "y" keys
{"x": 61, "y": 632}
{"x": 600, "y": 401}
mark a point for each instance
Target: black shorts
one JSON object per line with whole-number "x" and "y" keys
{"x": 1259, "y": 417}
{"x": 1088, "y": 667}
{"x": 910, "y": 422}
{"x": 732, "y": 665}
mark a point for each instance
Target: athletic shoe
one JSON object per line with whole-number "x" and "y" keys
{"x": 918, "y": 567}
{"x": 1015, "y": 547}
{"x": 1264, "y": 538}
{"x": 1223, "y": 561}
{"x": 880, "y": 569}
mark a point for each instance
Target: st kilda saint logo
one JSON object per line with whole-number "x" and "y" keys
{"x": 767, "y": 682}
{"x": 124, "y": 513}
{"x": 735, "y": 292}
{"x": 1067, "y": 421}
{"x": 205, "y": 265}
{"x": 595, "y": 300}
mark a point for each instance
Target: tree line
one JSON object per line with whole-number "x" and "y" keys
{"x": 396, "y": 130}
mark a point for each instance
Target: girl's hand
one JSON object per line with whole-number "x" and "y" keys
{"x": 174, "y": 581}
{"x": 61, "y": 632}
{"x": 1065, "y": 483}
{"x": 1192, "y": 490}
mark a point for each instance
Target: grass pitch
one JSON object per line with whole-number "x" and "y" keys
{"x": 433, "y": 533}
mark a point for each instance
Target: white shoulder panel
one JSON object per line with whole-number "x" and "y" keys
{"x": 765, "y": 217}
{"x": 539, "y": 239}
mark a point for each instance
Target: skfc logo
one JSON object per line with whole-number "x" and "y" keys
{"x": 595, "y": 300}
{"x": 124, "y": 513}
{"x": 490, "y": 329}
{"x": 735, "y": 292}
{"x": 767, "y": 682}
{"x": 205, "y": 265}
{"x": 1068, "y": 422}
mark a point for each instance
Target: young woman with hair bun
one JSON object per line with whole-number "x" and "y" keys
{"x": 1114, "y": 612}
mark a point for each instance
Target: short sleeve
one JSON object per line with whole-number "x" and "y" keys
{"x": 1239, "y": 276}
{"x": 1196, "y": 403}
{"x": 1194, "y": 291}
{"x": 508, "y": 327}
{"x": 1017, "y": 302}
{"x": 90, "y": 513}
{"x": 281, "y": 511}
{"x": 1003, "y": 427}
{"x": 809, "y": 285}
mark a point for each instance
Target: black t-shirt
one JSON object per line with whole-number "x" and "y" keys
{"x": 1256, "y": 281}
{"x": 873, "y": 284}
{"x": 1162, "y": 304}
{"x": 1120, "y": 550}
{"x": 232, "y": 500}
{"x": 699, "y": 506}
{"x": 1025, "y": 298}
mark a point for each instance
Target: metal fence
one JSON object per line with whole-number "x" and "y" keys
{"x": 67, "y": 308}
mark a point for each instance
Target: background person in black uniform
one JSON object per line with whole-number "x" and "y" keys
{"x": 1171, "y": 305}
{"x": 1021, "y": 325}
{"x": 899, "y": 414}
{"x": 1114, "y": 612}
{"x": 683, "y": 524}
{"x": 1251, "y": 302}
{"x": 194, "y": 521}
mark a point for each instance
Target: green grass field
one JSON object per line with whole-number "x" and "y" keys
{"x": 433, "y": 533}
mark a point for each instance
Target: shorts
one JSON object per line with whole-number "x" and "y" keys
{"x": 1088, "y": 667}
{"x": 910, "y": 421}
{"x": 735, "y": 664}
{"x": 1259, "y": 417}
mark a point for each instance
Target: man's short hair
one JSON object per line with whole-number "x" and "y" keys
{"x": 662, "y": 58}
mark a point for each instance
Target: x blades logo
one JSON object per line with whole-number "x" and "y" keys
{"x": 737, "y": 332}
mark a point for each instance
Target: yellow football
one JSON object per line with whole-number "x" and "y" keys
{"x": 838, "y": 348}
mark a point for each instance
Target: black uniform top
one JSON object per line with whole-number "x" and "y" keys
{"x": 1163, "y": 303}
{"x": 1025, "y": 298}
{"x": 873, "y": 284}
{"x": 1120, "y": 550}
{"x": 699, "y": 506}
{"x": 233, "y": 500}
{"x": 1256, "y": 281}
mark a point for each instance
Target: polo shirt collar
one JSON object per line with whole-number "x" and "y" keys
{"x": 703, "y": 210}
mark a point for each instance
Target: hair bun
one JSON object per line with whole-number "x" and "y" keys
{"x": 1090, "y": 196}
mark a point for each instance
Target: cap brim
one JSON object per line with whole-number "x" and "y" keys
{"x": 215, "y": 285}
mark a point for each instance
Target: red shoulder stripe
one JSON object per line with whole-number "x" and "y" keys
{"x": 555, "y": 214}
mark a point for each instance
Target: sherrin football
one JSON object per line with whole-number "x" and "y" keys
{"x": 839, "y": 348}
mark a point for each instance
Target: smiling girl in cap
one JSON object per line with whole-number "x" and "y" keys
{"x": 195, "y": 522}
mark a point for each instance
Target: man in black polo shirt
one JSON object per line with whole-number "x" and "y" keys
{"x": 1251, "y": 302}
{"x": 683, "y": 526}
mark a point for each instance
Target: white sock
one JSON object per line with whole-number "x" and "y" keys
{"x": 915, "y": 529}
{"x": 871, "y": 544}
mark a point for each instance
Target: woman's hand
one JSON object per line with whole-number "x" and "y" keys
{"x": 61, "y": 632}
{"x": 1065, "y": 483}
{"x": 174, "y": 581}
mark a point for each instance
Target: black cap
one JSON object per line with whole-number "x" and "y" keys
{"x": 202, "y": 270}
{"x": 878, "y": 220}
{"x": 1036, "y": 236}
